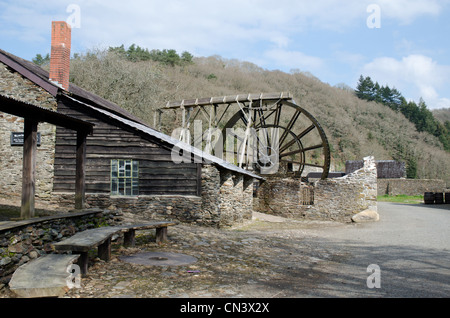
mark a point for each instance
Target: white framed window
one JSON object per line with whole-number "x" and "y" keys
{"x": 124, "y": 177}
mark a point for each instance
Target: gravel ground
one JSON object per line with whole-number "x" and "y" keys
{"x": 262, "y": 259}
{"x": 265, "y": 258}
{"x": 272, "y": 257}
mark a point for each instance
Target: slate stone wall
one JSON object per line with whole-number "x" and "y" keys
{"x": 336, "y": 199}
{"x": 13, "y": 85}
{"x": 26, "y": 240}
{"x": 410, "y": 186}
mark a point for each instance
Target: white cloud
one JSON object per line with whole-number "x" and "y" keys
{"x": 414, "y": 75}
{"x": 407, "y": 11}
{"x": 263, "y": 31}
{"x": 205, "y": 23}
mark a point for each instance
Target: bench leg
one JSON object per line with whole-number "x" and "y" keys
{"x": 104, "y": 250}
{"x": 161, "y": 235}
{"x": 129, "y": 238}
{"x": 83, "y": 262}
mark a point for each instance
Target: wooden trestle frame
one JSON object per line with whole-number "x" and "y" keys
{"x": 299, "y": 140}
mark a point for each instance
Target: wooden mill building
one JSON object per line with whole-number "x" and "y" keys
{"x": 126, "y": 164}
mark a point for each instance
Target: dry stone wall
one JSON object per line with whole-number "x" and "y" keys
{"x": 410, "y": 186}
{"x": 333, "y": 199}
{"x": 23, "y": 241}
{"x": 235, "y": 198}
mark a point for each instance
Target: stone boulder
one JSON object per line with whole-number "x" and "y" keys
{"x": 366, "y": 216}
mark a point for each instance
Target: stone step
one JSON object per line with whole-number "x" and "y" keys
{"x": 46, "y": 276}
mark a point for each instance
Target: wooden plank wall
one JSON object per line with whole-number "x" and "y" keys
{"x": 158, "y": 175}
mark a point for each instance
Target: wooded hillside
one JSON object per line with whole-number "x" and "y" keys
{"x": 355, "y": 128}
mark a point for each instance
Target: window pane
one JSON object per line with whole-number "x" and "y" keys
{"x": 124, "y": 177}
{"x": 121, "y": 187}
{"x": 135, "y": 169}
{"x": 128, "y": 169}
{"x": 127, "y": 186}
{"x": 121, "y": 168}
{"x": 114, "y": 187}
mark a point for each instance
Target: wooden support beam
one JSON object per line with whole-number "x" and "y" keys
{"x": 80, "y": 174}
{"x": 29, "y": 168}
{"x": 129, "y": 238}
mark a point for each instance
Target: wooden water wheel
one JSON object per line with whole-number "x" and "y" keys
{"x": 266, "y": 133}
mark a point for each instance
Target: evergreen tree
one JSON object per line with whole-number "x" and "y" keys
{"x": 41, "y": 60}
{"x": 135, "y": 53}
{"x": 418, "y": 114}
{"x": 365, "y": 88}
{"x": 187, "y": 57}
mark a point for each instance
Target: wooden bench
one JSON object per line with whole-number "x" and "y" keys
{"x": 46, "y": 276}
{"x": 82, "y": 242}
{"x": 130, "y": 231}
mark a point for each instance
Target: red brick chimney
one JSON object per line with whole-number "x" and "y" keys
{"x": 60, "y": 53}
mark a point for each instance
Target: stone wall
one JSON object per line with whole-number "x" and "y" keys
{"x": 226, "y": 199}
{"x": 235, "y": 198}
{"x": 340, "y": 198}
{"x": 386, "y": 169}
{"x": 282, "y": 196}
{"x": 409, "y": 186}
{"x": 335, "y": 199}
{"x": 171, "y": 207}
{"x": 13, "y": 85}
{"x": 23, "y": 241}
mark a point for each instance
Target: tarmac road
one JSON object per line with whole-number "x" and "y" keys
{"x": 410, "y": 245}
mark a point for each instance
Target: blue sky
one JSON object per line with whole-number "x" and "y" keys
{"x": 400, "y": 43}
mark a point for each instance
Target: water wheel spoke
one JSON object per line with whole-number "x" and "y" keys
{"x": 313, "y": 165}
{"x": 290, "y": 126}
{"x": 298, "y": 137}
{"x": 266, "y": 117}
{"x": 276, "y": 121}
{"x": 301, "y": 150}
{"x": 292, "y": 161}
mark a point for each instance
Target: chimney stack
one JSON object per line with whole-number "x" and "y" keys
{"x": 60, "y": 53}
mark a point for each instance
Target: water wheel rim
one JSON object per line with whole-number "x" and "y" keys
{"x": 315, "y": 125}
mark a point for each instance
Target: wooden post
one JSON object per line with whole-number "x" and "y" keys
{"x": 80, "y": 184}
{"x": 129, "y": 238}
{"x": 83, "y": 262}
{"x": 104, "y": 250}
{"x": 29, "y": 167}
{"x": 161, "y": 235}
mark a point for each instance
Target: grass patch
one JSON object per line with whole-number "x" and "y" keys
{"x": 411, "y": 199}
